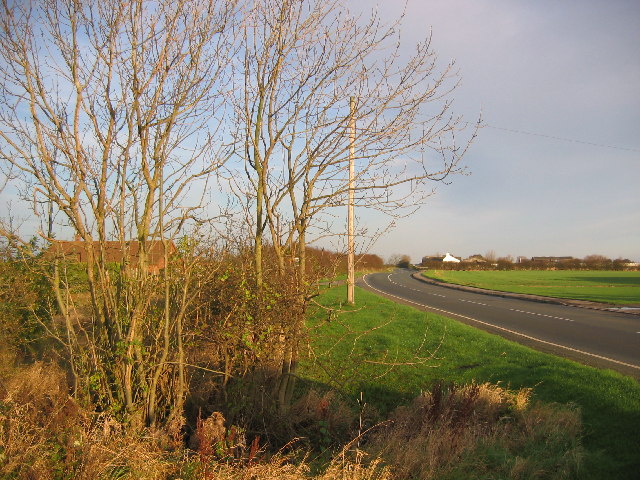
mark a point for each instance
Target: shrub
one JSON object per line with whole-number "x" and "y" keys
{"x": 24, "y": 300}
{"x": 323, "y": 418}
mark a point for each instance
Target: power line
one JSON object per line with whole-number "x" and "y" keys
{"x": 554, "y": 137}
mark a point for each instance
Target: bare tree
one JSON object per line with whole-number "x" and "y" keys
{"x": 300, "y": 62}
{"x": 400, "y": 260}
{"x": 109, "y": 114}
{"x": 491, "y": 256}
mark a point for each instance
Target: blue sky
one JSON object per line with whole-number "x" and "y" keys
{"x": 567, "y": 69}
{"x": 556, "y": 168}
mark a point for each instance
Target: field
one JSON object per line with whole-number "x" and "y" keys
{"x": 391, "y": 353}
{"x": 613, "y": 287}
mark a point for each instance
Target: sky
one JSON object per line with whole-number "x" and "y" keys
{"x": 555, "y": 170}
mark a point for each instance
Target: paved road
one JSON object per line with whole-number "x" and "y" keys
{"x": 595, "y": 337}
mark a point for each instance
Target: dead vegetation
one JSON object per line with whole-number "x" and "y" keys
{"x": 475, "y": 430}
{"x": 471, "y": 431}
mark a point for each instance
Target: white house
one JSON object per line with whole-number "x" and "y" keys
{"x": 450, "y": 258}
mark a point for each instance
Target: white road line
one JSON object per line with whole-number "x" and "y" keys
{"x": 541, "y": 315}
{"x": 475, "y": 303}
{"x": 364, "y": 278}
{"x": 414, "y": 289}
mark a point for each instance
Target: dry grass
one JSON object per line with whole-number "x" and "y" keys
{"x": 279, "y": 467}
{"x": 45, "y": 434}
{"x": 474, "y": 431}
{"x": 480, "y": 430}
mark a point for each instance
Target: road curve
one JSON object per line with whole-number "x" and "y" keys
{"x": 594, "y": 337}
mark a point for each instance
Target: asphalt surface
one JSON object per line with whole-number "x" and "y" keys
{"x": 594, "y": 337}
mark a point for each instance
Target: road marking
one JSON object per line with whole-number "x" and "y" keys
{"x": 364, "y": 278}
{"x": 541, "y": 315}
{"x": 475, "y": 303}
{"x": 414, "y": 289}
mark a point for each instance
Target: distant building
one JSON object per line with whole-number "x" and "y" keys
{"x": 114, "y": 251}
{"x": 551, "y": 259}
{"x": 435, "y": 259}
{"x": 448, "y": 258}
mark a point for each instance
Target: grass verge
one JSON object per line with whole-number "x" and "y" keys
{"x": 391, "y": 353}
{"x": 613, "y": 287}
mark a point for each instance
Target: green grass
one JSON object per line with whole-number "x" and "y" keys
{"x": 614, "y": 287}
{"x": 610, "y": 402}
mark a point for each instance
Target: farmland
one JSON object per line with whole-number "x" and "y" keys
{"x": 614, "y": 287}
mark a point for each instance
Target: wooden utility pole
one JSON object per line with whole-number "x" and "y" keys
{"x": 350, "y": 237}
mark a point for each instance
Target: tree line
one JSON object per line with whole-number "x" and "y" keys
{"x": 492, "y": 262}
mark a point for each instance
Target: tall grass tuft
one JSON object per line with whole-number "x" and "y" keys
{"x": 477, "y": 430}
{"x": 45, "y": 434}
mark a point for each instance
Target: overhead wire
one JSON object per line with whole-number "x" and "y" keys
{"x": 554, "y": 137}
